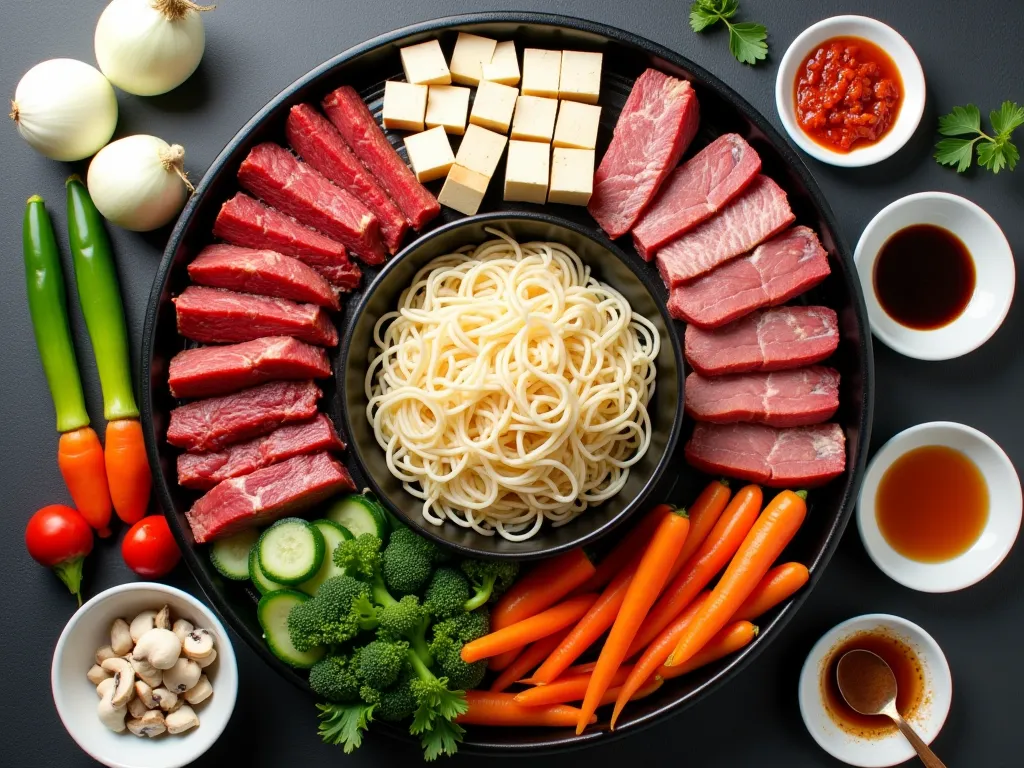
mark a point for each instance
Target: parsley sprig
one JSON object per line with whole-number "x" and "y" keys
{"x": 746, "y": 39}
{"x": 994, "y": 152}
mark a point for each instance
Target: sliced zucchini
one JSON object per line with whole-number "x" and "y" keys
{"x": 360, "y": 514}
{"x": 333, "y": 535}
{"x": 258, "y": 577}
{"x": 230, "y": 556}
{"x": 291, "y": 550}
{"x": 272, "y": 613}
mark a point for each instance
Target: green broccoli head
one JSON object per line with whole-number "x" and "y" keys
{"x": 334, "y": 678}
{"x": 360, "y": 557}
{"x": 403, "y": 619}
{"x": 381, "y": 662}
{"x": 446, "y": 593}
{"x": 464, "y": 627}
{"x": 407, "y": 562}
{"x": 395, "y": 703}
{"x": 490, "y": 579}
{"x": 340, "y": 609}
{"x": 447, "y": 653}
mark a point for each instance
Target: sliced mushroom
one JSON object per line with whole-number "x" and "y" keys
{"x": 111, "y": 716}
{"x": 182, "y": 720}
{"x": 150, "y": 724}
{"x": 200, "y": 692}
{"x": 141, "y": 624}
{"x": 205, "y": 662}
{"x": 97, "y": 674}
{"x": 104, "y": 653}
{"x": 121, "y": 637}
{"x": 162, "y": 620}
{"x": 182, "y": 676}
{"x": 182, "y": 627}
{"x": 198, "y": 644}
{"x": 158, "y": 647}
{"x": 137, "y": 707}
{"x": 167, "y": 700}
{"x": 124, "y": 680}
{"x": 147, "y": 672}
{"x": 144, "y": 692}
{"x": 105, "y": 688}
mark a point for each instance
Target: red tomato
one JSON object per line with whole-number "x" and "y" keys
{"x": 149, "y": 547}
{"x": 57, "y": 534}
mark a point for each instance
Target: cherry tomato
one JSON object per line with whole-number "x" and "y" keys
{"x": 149, "y": 547}
{"x": 59, "y": 538}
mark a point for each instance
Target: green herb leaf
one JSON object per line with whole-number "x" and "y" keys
{"x": 961, "y": 120}
{"x": 747, "y": 41}
{"x": 994, "y": 152}
{"x": 442, "y": 739}
{"x": 996, "y": 155}
{"x": 1009, "y": 117}
{"x": 344, "y": 724}
{"x": 704, "y": 13}
{"x": 958, "y": 152}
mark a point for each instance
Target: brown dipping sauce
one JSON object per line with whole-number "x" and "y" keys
{"x": 910, "y": 687}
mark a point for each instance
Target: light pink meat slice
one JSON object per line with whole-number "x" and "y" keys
{"x": 793, "y": 398}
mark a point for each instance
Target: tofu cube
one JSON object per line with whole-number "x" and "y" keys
{"x": 504, "y": 65}
{"x": 580, "y": 78}
{"x": 541, "y": 71}
{"x": 481, "y": 150}
{"x": 463, "y": 190}
{"x": 572, "y": 176}
{"x": 526, "y": 174}
{"x": 534, "y": 119}
{"x": 470, "y": 54}
{"x": 424, "y": 64}
{"x": 405, "y": 106}
{"x": 430, "y": 154}
{"x": 493, "y": 106}
{"x": 577, "y": 125}
{"x": 447, "y": 106}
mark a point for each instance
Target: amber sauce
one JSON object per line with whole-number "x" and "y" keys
{"x": 910, "y": 685}
{"x": 924, "y": 277}
{"x": 932, "y": 504}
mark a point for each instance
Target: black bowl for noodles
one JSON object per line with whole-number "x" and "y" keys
{"x": 366, "y": 67}
{"x": 609, "y": 265}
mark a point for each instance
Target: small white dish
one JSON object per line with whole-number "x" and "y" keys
{"x": 893, "y": 748}
{"x": 995, "y": 274}
{"x": 912, "y": 94}
{"x": 76, "y": 698}
{"x": 996, "y": 539}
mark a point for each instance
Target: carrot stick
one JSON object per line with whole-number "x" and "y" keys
{"x": 528, "y": 630}
{"x": 565, "y": 689}
{"x": 704, "y": 513}
{"x": 80, "y": 458}
{"x": 729, "y": 640}
{"x": 771, "y": 533}
{"x": 580, "y": 669}
{"x": 629, "y": 549}
{"x": 501, "y": 709}
{"x": 544, "y": 586}
{"x": 645, "y": 690}
{"x": 528, "y": 660}
{"x": 644, "y": 588}
{"x": 780, "y": 583}
{"x": 127, "y": 469}
{"x": 711, "y": 557}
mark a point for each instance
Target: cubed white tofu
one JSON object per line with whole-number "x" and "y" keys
{"x": 493, "y": 106}
{"x": 580, "y": 78}
{"x": 541, "y": 71}
{"x": 504, "y": 65}
{"x": 430, "y": 154}
{"x": 448, "y": 106}
{"x": 481, "y": 150}
{"x": 470, "y": 54}
{"x": 572, "y": 176}
{"x": 405, "y": 105}
{"x": 534, "y": 119}
{"x": 463, "y": 190}
{"x": 577, "y": 125}
{"x": 424, "y": 64}
{"x": 526, "y": 173}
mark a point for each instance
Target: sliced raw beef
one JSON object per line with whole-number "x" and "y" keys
{"x": 364, "y": 137}
{"x": 267, "y": 273}
{"x": 797, "y": 457}
{"x": 766, "y": 340}
{"x": 656, "y": 125}
{"x": 205, "y": 470}
{"x": 276, "y": 175}
{"x": 205, "y": 425}
{"x": 208, "y": 371}
{"x": 319, "y": 144}
{"x": 696, "y": 191}
{"x": 774, "y": 273}
{"x": 249, "y": 223}
{"x": 267, "y": 494}
{"x": 216, "y": 316}
{"x": 756, "y": 214}
{"x": 793, "y": 398}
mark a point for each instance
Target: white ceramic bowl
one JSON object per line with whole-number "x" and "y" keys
{"x": 996, "y": 538}
{"x": 75, "y": 696}
{"x": 894, "y": 748}
{"x": 993, "y": 265}
{"x": 912, "y": 95}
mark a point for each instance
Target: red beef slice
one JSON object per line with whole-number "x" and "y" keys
{"x": 793, "y": 398}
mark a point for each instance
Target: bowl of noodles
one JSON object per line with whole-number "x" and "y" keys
{"x": 511, "y": 384}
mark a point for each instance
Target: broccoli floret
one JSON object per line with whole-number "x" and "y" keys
{"x": 490, "y": 579}
{"x": 407, "y": 620}
{"x": 446, "y": 594}
{"x": 465, "y": 627}
{"x": 381, "y": 662}
{"x": 340, "y": 609}
{"x": 447, "y": 653}
{"x": 407, "y": 562}
{"x": 334, "y": 678}
{"x": 396, "y": 703}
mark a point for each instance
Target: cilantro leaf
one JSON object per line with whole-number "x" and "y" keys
{"x": 344, "y": 724}
{"x": 958, "y": 152}
{"x": 747, "y": 42}
{"x": 961, "y": 120}
{"x": 994, "y": 152}
{"x": 996, "y": 155}
{"x": 1009, "y": 117}
{"x": 442, "y": 739}
{"x": 701, "y": 18}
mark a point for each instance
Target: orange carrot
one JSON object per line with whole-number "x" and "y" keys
{"x": 528, "y": 630}
{"x": 80, "y": 458}
{"x": 711, "y": 557}
{"x": 528, "y": 660}
{"x": 704, "y": 513}
{"x": 780, "y": 583}
{"x": 541, "y": 588}
{"x": 629, "y": 549}
{"x": 579, "y": 669}
{"x": 729, "y": 640}
{"x": 127, "y": 469}
{"x": 644, "y": 588}
{"x": 645, "y": 690}
{"x": 501, "y": 709}
{"x": 771, "y": 533}
{"x": 565, "y": 689}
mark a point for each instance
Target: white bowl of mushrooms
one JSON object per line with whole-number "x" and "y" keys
{"x": 144, "y": 676}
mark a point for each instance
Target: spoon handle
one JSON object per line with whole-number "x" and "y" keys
{"x": 928, "y": 757}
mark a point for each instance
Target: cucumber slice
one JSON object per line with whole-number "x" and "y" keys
{"x": 360, "y": 514}
{"x": 272, "y": 613}
{"x": 333, "y": 535}
{"x": 258, "y": 577}
{"x": 230, "y": 556}
{"x": 290, "y": 551}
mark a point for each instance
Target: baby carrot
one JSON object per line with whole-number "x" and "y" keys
{"x": 642, "y": 692}
{"x": 780, "y": 583}
{"x": 80, "y": 458}
{"x": 527, "y": 661}
{"x": 501, "y": 709}
{"x": 127, "y": 469}
{"x": 629, "y": 549}
{"x": 515, "y": 636}
{"x": 704, "y": 513}
{"x": 729, "y": 640}
{"x": 566, "y": 689}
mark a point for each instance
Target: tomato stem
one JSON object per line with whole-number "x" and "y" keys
{"x": 70, "y": 572}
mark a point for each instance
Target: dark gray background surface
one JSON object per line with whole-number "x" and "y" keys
{"x": 970, "y": 53}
